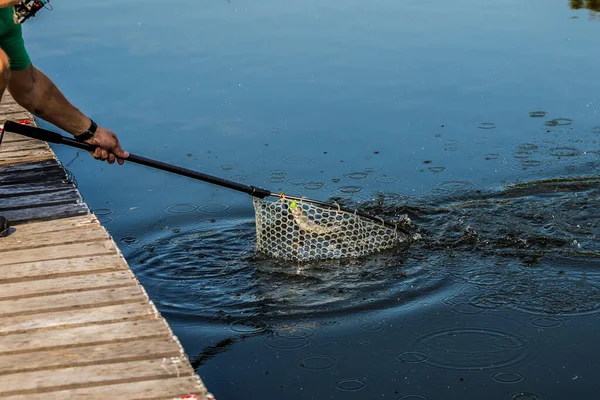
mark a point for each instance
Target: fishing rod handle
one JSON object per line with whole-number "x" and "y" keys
{"x": 53, "y": 137}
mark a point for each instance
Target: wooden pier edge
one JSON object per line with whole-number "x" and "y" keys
{"x": 75, "y": 321}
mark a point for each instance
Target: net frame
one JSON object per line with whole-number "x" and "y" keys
{"x": 301, "y": 229}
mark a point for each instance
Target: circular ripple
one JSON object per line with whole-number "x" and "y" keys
{"x": 213, "y": 208}
{"x": 371, "y": 326}
{"x": 521, "y": 154}
{"x": 461, "y": 304}
{"x": 537, "y": 114}
{"x": 472, "y": 349}
{"x": 386, "y": 179}
{"x": 413, "y": 397}
{"x": 492, "y": 156}
{"x": 546, "y": 322}
{"x": 485, "y": 278}
{"x": 507, "y": 377}
{"x": 313, "y": 185}
{"x": 350, "y": 189}
{"x": 487, "y": 125}
{"x": 181, "y": 208}
{"x": 129, "y": 240}
{"x": 453, "y": 186}
{"x": 357, "y": 175}
{"x": 559, "y": 122}
{"x": 317, "y": 363}
{"x": 226, "y": 167}
{"x": 248, "y": 326}
{"x": 413, "y": 357}
{"x": 277, "y": 178}
{"x": 296, "y": 332}
{"x": 596, "y": 129}
{"x": 297, "y": 160}
{"x": 531, "y": 163}
{"x": 564, "y": 152}
{"x": 437, "y": 169}
{"x": 101, "y": 212}
{"x": 527, "y": 146}
{"x": 524, "y": 396}
{"x": 277, "y": 343}
{"x": 296, "y": 181}
{"x": 350, "y": 385}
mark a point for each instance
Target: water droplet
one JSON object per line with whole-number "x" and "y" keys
{"x": 537, "y": 114}
{"x": 487, "y": 125}
{"x": 350, "y": 385}
{"x": 213, "y": 208}
{"x": 386, "y": 179}
{"x": 313, "y": 185}
{"x": 350, "y": 189}
{"x": 564, "y": 152}
{"x": 546, "y": 322}
{"x": 507, "y": 377}
{"x": 297, "y": 160}
{"x": 524, "y": 396}
{"x": 296, "y": 181}
{"x": 317, "y": 363}
{"x": 412, "y": 357}
{"x": 357, "y": 175}
{"x": 437, "y": 169}
{"x": 181, "y": 208}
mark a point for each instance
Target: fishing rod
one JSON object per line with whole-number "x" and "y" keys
{"x": 28, "y": 8}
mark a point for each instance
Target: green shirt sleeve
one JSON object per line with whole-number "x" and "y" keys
{"x": 11, "y": 41}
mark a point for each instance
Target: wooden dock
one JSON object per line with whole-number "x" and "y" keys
{"x": 75, "y": 321}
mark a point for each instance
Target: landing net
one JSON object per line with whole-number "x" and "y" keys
{"x": 301, "y": 230}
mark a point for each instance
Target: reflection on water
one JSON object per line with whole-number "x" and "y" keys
{"x": 593, "y": 5}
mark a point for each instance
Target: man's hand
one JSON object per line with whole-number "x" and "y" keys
{"x": 108, "y": 146}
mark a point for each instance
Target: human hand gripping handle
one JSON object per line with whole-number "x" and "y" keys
{"x": 107, "y": 146}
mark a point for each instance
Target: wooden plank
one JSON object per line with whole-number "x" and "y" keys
{"x": 19, "y": 241}
{"x": 65, "y": 196}
{"x": 93, "y": 375}
{"x": 154, "y": 389}
{"x": 7, "y": 155}
{"x": 77, "y": 317}
{"x": 10, "y": 107}
{"x": 65, "y": 252}
{"x": 70, "y": 301}
{"x": 23, "y": 160}
{"x": 130, "y": 350}
{"x": 90, "y": 335}
{"x": 33, "y": 188}
{"x": 30, "y": 271}
{"x": 46, "y": 213}
{"x": 62, "y": 224}
{"x": 17, "y": 116}
{"x": 8, "y": 147}
{"x": 32, "y": 175}
{"x": 66, "y": 284}
{"x": 46, "y": 165}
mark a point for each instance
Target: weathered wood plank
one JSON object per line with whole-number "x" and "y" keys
{"x": 66, "y": 196}
{"x": 131, "y": 350}
{"x": 57, "y": 252}
{"x": 66, "y": 284}
{"x": 8, "y": 147}
{"x": 45, "y": 165}
{"x": 33, "y": 188}
{"x": 90, "y": 335}
{"x": 62, "y": 224}
{"x": 77, "y": 317}
{"x": 23, "y": 160}
{"x": 71, "y": 301}
{"x": 154, "y": 389}
{"x": 93, "y": 375}
{"x": 17, "y": 116}
{"x": 29, "y": 271}
{"x": 25, "y": 153}
{"x": 19, "y": 241}
{"x": 46, "y": 213}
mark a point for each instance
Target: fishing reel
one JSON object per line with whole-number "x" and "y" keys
{"x": 27, "y": 9}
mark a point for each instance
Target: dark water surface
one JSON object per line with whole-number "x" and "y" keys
{"x": 478, "y": 120}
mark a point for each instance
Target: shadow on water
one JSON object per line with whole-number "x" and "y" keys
{"x": 532, "y": 247}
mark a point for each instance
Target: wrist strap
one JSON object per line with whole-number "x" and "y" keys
{"x": 91, "y": 131}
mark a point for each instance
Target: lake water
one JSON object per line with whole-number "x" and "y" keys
{"x": 479, "y": 120}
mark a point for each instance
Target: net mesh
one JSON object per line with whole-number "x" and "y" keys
{"x": 302, "y": 231}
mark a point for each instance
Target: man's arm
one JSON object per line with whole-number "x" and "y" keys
{"x": 34, "y": 91}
